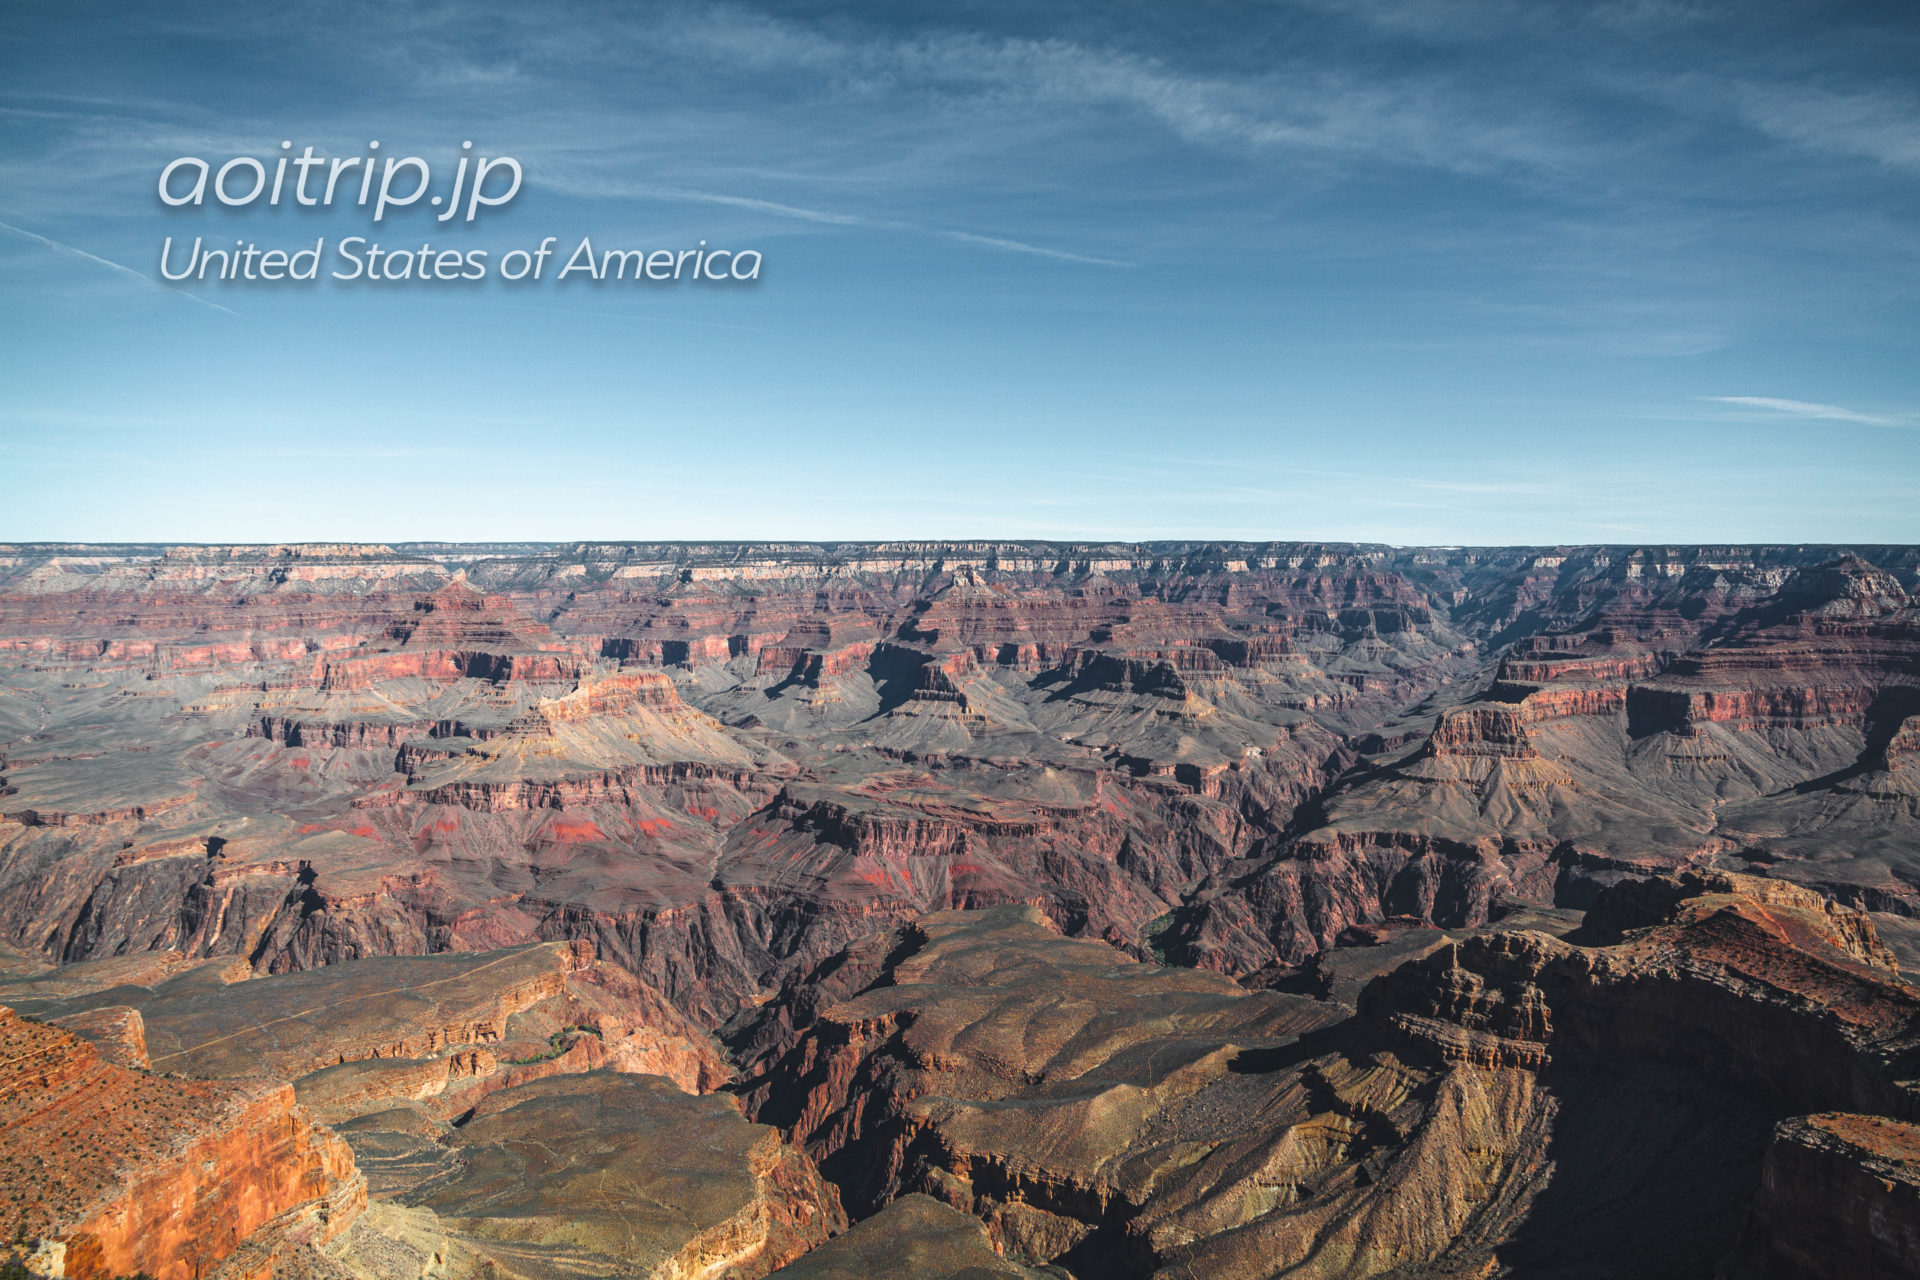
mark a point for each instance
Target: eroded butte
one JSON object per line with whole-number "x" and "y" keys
{"x": 959, "y": 909}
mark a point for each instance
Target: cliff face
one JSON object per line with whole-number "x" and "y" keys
{"x": 599, "y": 1174}
{"x": 635, "y": 751}
{"x": 1767, "y": 986}
{"x": 1511, "y": 1100}
{"x": 1754, "y": 732}
{"x": 526, "y": 1109}
{"x": 127, "y": 1172}
{"x": 1505, "y": 1101}
{"x": 722, "y": 764}
{"x": 1116, "y": 1118}
{"x": 1714, "y": 996}
{"x": 1840, "y": 1196}
{"x": 443, "y": 1030}
{"x": 415, "y": 839}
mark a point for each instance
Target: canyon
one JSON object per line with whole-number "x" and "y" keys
{"x": 998, "y": 908}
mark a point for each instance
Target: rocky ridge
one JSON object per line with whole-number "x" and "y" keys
{"x": 720, "y": 763}
{"x": 121, "y": 1171}
{"x": 1511, "y": 1103}
{"x": 456, "y": 841}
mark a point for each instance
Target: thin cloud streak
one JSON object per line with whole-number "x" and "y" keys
{"x": 113, "y": 266}
{"x": 1017, "y": 246}
{"x": 879, "y": 224}
{"x": 1805, "y": 409}
{"x": 773, "y": 207}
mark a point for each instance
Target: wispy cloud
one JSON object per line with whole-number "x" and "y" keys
{"x": 1360, "y": 225}
{"x": 1020, "y": 246}
{"x": 773, "y": 207}
{"x": 830, "y": 218}
{"x": 1425, "y": 119}
{"x": 370, "y": 454}
{"x": 1805, "y": 409}
{"x": 95, "y": 258}
{"x": 1879, "y": 125}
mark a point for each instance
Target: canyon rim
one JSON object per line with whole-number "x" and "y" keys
{"x": 869, "y": 640}
{"x": 1078, "y": 909}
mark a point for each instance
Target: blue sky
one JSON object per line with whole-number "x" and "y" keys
{"x": 1410, "y": 271}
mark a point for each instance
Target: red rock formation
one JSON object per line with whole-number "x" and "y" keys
{"x": 614, "y": 695}
{"x": 132, "y": 1172}
{"x": 443, "y": 1030}
{"x": 1839, "y": 1199}
{"x": 1510, "y": 1102}
{"x": 1118, "y": 734}
{"x": 1767, "y": 986}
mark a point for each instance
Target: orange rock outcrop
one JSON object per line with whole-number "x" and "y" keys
{"x": 123, "y": 1171}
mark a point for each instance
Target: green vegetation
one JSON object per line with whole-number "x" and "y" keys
{"x": 1150, "y": 936}
{"x": 558, "y": 1043}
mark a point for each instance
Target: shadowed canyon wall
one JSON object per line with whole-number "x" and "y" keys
{"x": 484, "y": 831}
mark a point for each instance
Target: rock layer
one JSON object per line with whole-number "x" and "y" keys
{"x": 440, "y": 835}
{"x": 1840, "y": 1196}
{"x": 611, "y": 1174}
{"x": 721, "y": 764}
{"x": 443, "y": 1030}
{"x": 122, "y": 1171}
{"x": 1507, "y": 1101}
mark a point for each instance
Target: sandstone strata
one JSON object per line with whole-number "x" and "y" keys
{"x": 720, "y": 764}
{"x": 1120, "y": 1119}
{"x": 1840, "y": 1196}
{"x": 511, "y": 1113}
{"x": 442, "y": 1030}
{"x": 1511, "y": 1100}
{"x": 420, "y": 827}
{"x": 121, "y": 1171}
{"x": 603, "y": 1174}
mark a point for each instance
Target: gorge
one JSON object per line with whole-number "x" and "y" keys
{"x": 1171, "y": 909}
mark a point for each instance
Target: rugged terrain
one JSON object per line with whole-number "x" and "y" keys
{"x": 1510, "y": 1103}
{"x": 1031, "y": 887}
{"x": 518, "y": 1112}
